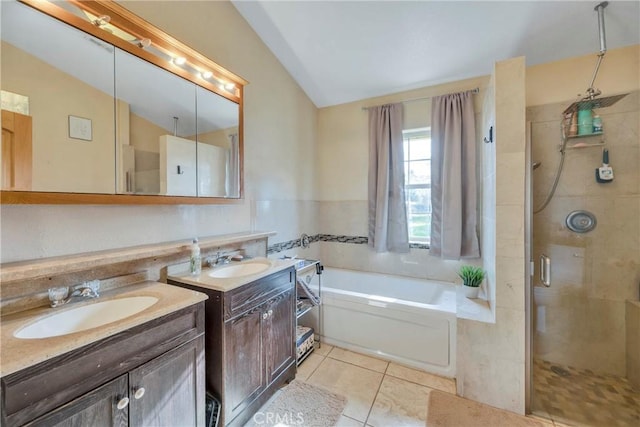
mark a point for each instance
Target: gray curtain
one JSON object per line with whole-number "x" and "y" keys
{"x": 387, "y": 212}
{"x": 453, "y": 177}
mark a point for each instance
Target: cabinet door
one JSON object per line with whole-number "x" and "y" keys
{"x": 170, "y": 389}
{"x": 97, "y": 408}
{"x": 279, "y": 334}
{"x": 244, "y": 358}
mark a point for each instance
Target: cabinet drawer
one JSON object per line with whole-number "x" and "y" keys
{"x": 34, "y": 391}
{"x": 249, "y": 296}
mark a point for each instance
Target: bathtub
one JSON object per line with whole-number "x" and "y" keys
{"x": 406, "y": 320}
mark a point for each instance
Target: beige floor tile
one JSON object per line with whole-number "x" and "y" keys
{"x": 546, "y": 421}
{"x": 399, "y": 403}
{"x": 323, "y": 350}
{"x": 447, "y": 385}
{"x": 348, "y": 422}
{"x": 358, "y": 385}
{"x": 309, "y": 365}
{"x": 359, "y": 359}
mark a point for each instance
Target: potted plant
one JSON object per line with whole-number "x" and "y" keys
{"x": 472, "y": 278}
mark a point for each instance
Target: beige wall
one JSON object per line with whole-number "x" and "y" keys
{"x": 279, "y": 139}
{"x": 491, "y": 357}
{"x": 342, "y": 154}
{"x": 562, "y": 81}
{"x": 61, "y": 163}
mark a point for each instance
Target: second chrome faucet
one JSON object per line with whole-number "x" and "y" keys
{"x": 60, "y": 295}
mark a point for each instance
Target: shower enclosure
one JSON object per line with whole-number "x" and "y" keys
{"x": 585, "y": 325}
{"x": 584, "y": 235}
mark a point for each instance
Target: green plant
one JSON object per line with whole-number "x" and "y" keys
{"x": 471, "y": 275}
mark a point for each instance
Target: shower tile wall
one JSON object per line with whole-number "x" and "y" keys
{"x": 580, "y": 319}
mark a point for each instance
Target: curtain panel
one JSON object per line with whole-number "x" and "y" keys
{"x": 387, "y": 210}
{"x": 453, "y": 177}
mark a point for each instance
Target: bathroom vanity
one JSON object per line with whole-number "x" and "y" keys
{"x": 147, "y": 374}
{"x": 249, "y": 340}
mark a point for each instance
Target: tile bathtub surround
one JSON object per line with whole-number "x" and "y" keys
{"x": 356, "y": 240}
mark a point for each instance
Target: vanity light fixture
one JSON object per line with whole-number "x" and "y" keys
{"x": 206, "y": 74}
{"x": 229, "y": 86}
{"x": 179, "y": 60}
{"x": 102, "y": 20}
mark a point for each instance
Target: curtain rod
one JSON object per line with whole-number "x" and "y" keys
{"x": 474, "y": 91}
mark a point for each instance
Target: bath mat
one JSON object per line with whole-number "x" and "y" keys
{"x": 448, "y": 410}
{"x": 300, "y": 404}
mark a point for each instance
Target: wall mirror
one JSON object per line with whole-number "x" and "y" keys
{"x": 100, "y": 107}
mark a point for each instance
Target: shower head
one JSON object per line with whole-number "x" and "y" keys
{"x": 590, "y": 104}
{"x": 590, "y": 100}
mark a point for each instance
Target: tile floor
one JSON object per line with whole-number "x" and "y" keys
{"x": 379, "y": 393}
{"x": 584, "y": 398}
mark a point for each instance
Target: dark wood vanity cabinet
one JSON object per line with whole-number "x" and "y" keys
{"x": 150, "y": 375}
{"x": 250, "y": 343}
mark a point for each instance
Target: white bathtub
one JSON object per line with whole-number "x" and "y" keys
{"x": 410, "y": 321}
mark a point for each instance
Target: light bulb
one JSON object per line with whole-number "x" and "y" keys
{"x": 179, "y": 60}
{"x": 229, "y": 86}
{"x": 102, "y": 20}
{"x": 206, "y": 74}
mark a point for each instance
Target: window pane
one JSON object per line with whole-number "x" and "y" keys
{"x": 420, "y": 149}
{"x": 420, "y": 228}
{"x": 419, "y": 214}
{"x": 418, "y": 200}
{"x": 420, "y": 172}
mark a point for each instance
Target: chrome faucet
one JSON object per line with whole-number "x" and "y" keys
{"x": 225, "y": 258}
{"x": 218, "y": 260}
{"x": 60, "y": 296}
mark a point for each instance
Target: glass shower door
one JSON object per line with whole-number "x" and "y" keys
{"x": 582, "y": 329}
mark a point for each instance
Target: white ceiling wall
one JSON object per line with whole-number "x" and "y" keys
{"x": 343, "y": 51}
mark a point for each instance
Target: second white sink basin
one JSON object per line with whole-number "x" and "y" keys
{"x": 239, "y": 270}
{"x": 85, "y": 317}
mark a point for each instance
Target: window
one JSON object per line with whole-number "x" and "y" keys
{"x": 417, "y": 183}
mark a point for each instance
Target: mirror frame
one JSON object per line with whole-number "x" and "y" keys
{"x": 133, "y": 24}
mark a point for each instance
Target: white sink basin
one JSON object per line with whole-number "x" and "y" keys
{"x": 85, "y": 317}
{"x": 238, "y": 270}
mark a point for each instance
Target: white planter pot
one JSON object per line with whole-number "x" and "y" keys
{"x": 470, "y": 292}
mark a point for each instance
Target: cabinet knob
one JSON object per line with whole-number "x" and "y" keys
{"x": 139, "y": 393}
{"x": 123, "y": 403}
{"x": 265, "y": 315}
{"x": 270, "y": 313}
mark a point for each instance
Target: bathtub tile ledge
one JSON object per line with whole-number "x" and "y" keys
{"x": 473, "y": 309}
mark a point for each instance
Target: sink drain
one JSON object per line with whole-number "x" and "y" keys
{"x": 560, "y": 371}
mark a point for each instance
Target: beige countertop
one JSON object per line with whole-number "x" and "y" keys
{"x": 17, "y": 354}
{"x": 226, "y": 284}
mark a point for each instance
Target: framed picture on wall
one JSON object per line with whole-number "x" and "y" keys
{"x": 80, "y": 128}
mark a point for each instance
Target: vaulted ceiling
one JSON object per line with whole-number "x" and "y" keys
{"x": 343, "y": 51}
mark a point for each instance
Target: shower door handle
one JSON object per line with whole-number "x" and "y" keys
{"x": 545, "y": 270}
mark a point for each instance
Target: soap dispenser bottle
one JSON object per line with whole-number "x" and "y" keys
{"x": 195, "y": 261}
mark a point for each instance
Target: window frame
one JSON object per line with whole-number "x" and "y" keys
{"x": 407, "y": 136}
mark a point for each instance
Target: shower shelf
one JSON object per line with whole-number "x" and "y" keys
{"x": 586, "y": 135}
{"x": 584, "y": 141}
{"x": 581, "y": 144}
